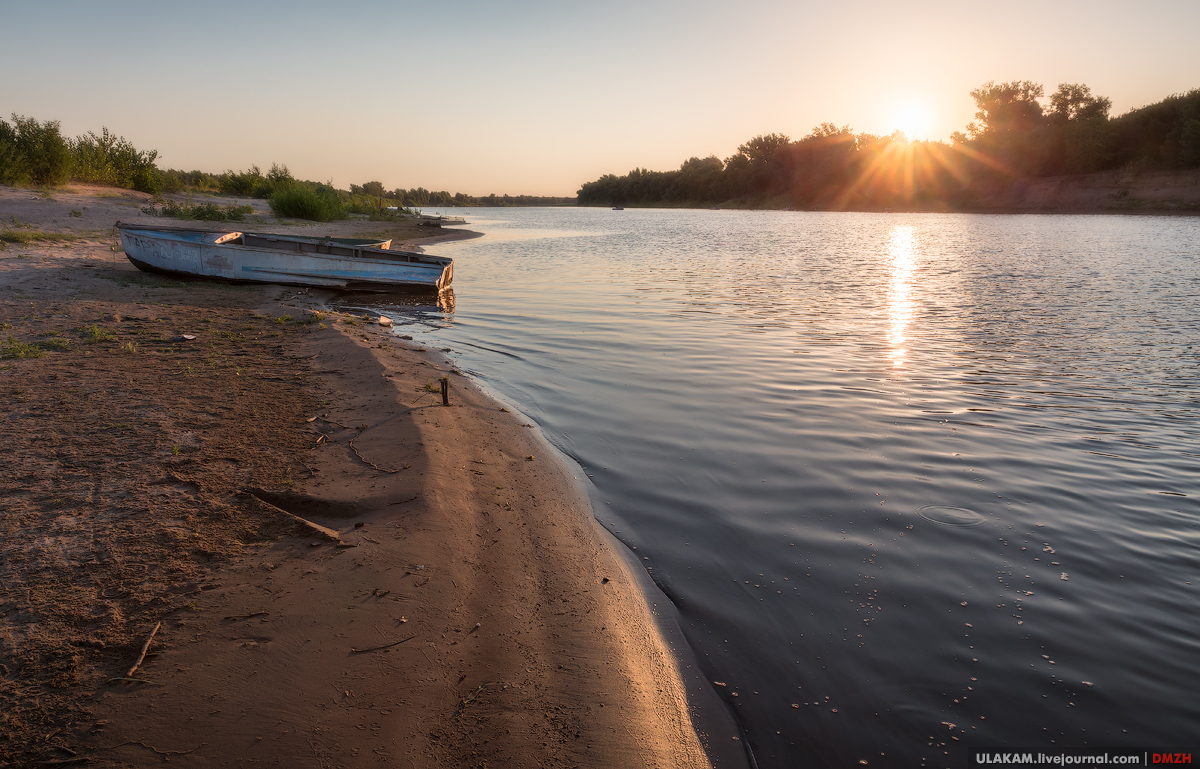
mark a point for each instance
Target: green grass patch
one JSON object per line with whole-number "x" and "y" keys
{"x": 94, "y": 333}
{"x": 319, "y": 205}
{"x": 13, "y": 348}
{"x": 25, "y": 237}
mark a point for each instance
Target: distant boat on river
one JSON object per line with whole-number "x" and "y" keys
{"x": 428, "y": 220}
{"x": 248, "y": 257}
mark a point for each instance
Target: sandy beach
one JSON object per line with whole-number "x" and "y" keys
{"x": 343, "y": 571}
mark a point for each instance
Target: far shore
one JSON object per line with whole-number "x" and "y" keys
{"x": 1136, "y": 193}
{"x": 323, "y": 565}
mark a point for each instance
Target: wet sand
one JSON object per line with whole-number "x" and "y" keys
{"x": 447, "y": 599}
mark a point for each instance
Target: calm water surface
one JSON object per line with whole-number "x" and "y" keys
{"x": 915, "y": 482}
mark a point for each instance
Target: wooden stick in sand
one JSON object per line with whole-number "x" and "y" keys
{"x": 145, "y": 648}
{"x": 386, "y": 646}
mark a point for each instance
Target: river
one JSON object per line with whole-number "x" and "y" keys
{"x": 914, "y": 481}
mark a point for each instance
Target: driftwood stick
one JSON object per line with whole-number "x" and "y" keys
{"x": 369, "y": 462}
{"x": 386, "y": 646}
{"x": 325, "y": 532}
{"x": 145, "y": 648}
{"x": 156, "y": 750}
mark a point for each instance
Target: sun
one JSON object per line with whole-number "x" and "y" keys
{"x": 912, "y": 119}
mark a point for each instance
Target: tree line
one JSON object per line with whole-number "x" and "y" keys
{"x": 1014, "y": 135}
{"x": 35, "y": 153}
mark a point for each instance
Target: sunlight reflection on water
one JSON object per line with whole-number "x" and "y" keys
{"x": 902, "y": 251}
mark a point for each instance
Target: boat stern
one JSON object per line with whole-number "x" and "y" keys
{"x": 447, "y": 276}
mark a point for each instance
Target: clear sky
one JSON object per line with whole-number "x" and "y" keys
{"x": 533, "y": 97}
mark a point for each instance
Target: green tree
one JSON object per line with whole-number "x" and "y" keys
{"x": 37, "y": 152}
{"x": 12, "y": 167}
{"x": 1006, "y": 107}
{"x": 1010, "y": 128}
{"x": 1080, "y": 135}
{"x": 1074, "y": 101}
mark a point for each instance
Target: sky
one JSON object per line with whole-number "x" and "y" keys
{"x": 532, "y": 97}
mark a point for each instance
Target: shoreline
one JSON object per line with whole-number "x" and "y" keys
{"x": 723, "y": 737}
{"x": 507, "y": 630}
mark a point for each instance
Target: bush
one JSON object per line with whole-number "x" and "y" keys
{"x": 254, "y": 183}
{"x": 11, "y": 166}
{"x": 33, "y": 153}
{"x": 178, "y": 181}
{"x": 317, "y": 205}
{"x": 241, "y": 183}
{"x": 205, "y": 212}
{"x": 113, "y": 160}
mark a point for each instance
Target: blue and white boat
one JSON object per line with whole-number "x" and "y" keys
{"x": 294, "y": 260}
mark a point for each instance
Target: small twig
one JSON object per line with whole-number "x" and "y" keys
{"x": 369, "y": 462}
{"x": 156, "y": 750}
{"x": 471, "y": 697}
{"x": 247, "y": 616}
{"x": 386, "y": 646}
{"x": 145, "y": 648}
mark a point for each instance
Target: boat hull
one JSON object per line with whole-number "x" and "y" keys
{"x": 251, "y": 258}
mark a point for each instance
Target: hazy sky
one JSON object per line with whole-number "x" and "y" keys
{"x": 537, "y": 97}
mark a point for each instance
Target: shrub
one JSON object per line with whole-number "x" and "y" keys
{"x": 11, "y": 166}
{"x": 254, "y": 183}
{"x": 317, "y": 205}
{"x": 33, "y": 152}
{"x": 241, "y": 183}
{"x": 178, "y": 181}
{"x": 113, "y": 160}
{"x": 206, "y": 212}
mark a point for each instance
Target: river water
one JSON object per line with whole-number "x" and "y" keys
{"x": 914, "y": 481}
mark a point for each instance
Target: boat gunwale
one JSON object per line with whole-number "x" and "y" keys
{"x": 414, "y": 257}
